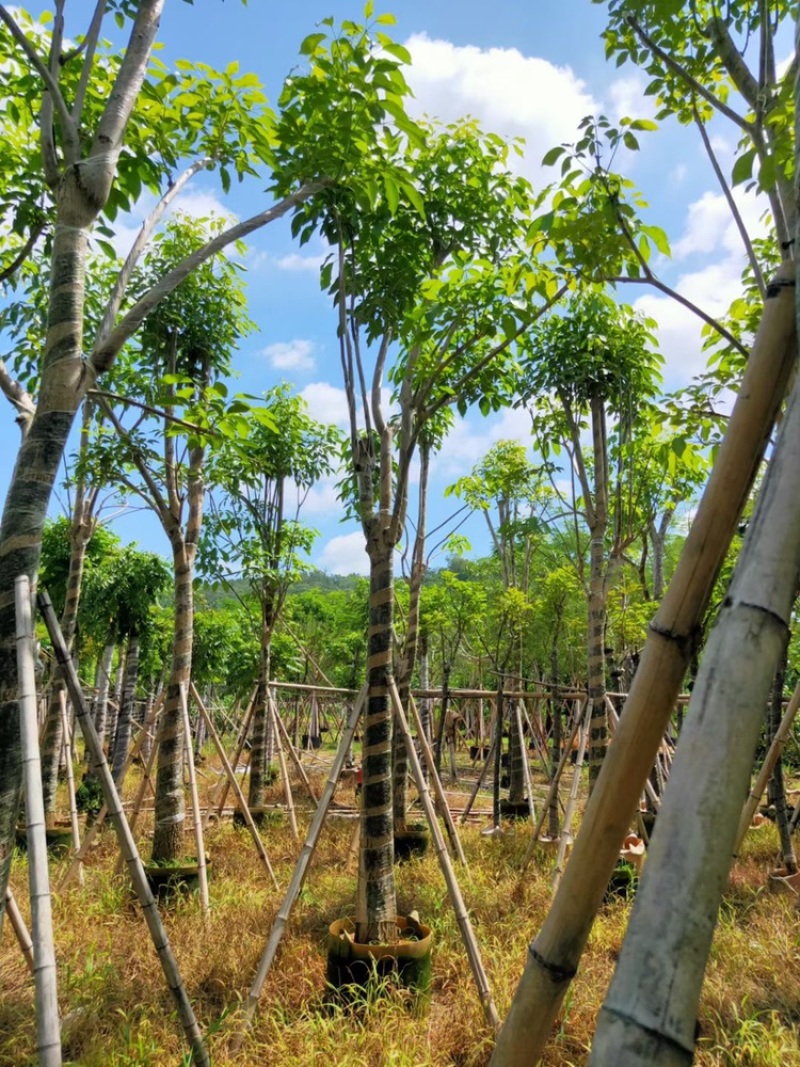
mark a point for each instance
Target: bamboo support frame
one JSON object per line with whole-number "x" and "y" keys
{"x": 272, "y": 711}
{"x": 565, "y": 837}
{"x": 20, "y": 929}
{"x": 300, "y": 871}
{"x": 555, "y": 953}
{"x": 526, "y": 770}
{"x": 479, "y": 782}
{"x": 467, "y": 933}
{"x": 48, "y": 1023}
{"x": 770, "y": 760}
{"x": 293, "y": 755}
{"x": 452, "y": 833}
{"x": 127, "y": 844}
{"x": 237, "y": 789}
{"x": 197, "y": 818}
{"x": 239, "y": 745}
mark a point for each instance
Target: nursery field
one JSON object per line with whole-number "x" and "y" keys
{"x": 117, "y": 1011}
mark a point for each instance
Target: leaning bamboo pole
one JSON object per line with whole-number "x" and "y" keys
{"x": 526, "y": 770}
{"x": 462, "y": 917}
{"x": 248, "y": 715}
{"x": 479, "y": 782}
{"x": 237, "y": 789}
{"x": 300, "y": 871}
{"x": 73, "y": 808}
{"x": 293, "y": 754}
{"x": 565, "y": 837}
{"x": 20, "y": 929}
{"x": 770, "y": 760}
{"x": 126, "y": 842}
{"x": 48, "y": 1023}
{"x": 554, "y": 955}
{"x": 565, "y": 755}
{"x": 197, "y": 817}
{"x": 287, "y": 785}
{"x": 649, "y": 1015}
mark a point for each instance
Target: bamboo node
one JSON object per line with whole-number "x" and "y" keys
{"x": 553, "y": 970}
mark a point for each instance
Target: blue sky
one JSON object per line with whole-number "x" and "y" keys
{"x": 529, "y": 70}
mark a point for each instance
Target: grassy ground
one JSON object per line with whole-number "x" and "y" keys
{"x": 119, "y": 1012}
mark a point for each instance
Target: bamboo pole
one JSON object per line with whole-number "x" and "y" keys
{"x": 650, "y": 1012}
{"x": 613, "y": 719}
{"x": 126, "y": 842}
{"x": 287, "y": 785}
{"x": 479, "y": 782}
{"x": 94, "y": 829}
{"x": 770, "y": 760}
{"x": 565, "y": 755}
{"x": 138, "y": 801}
{"x": 237, "y": 789}
{"x": 294, "y": 757}
{"x": 526, "y": 770}
{"x": 73, "y": 810}
{"x": 555, "y": 953}
{"x": 48, "y": 1023}
{"x": 239, "y": 746}
{"x": 300, "y": 871}
{"x": 452, "y": 833}
{"x": 565, "y": 837}
{"x": 467, "y": 933}
{"x": 197, "y": 818}
{"x": 20, "y": 929}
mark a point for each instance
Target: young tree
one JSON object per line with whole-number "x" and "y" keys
{"x": 254, "y": 531}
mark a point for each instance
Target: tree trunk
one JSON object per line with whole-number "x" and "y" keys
{"x": 103, "y": 686}
{"x": 376, "y": 863}
{"x": 125, "y": 717}
{"x": 170, "y": 804}
{"x": 555, "y": 759}
{"x": 776, "y": 791}
{"x": 260, "y": 721}
{"x": 596, "y": 673}
{"x": 424, "y": 684}
{"x": 116, "y": 703}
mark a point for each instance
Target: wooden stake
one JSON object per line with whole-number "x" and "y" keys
{"x": 237, "y": 789}
{"x": 197, "y": 818}
{"x": 467, "y": 933}
{"x": 300, "y": 871}
{"x": 287, "y": 785}
{"x": 126, "y": 842}
{"x": 48, "y": 1024}
{"x": 20, "y": 929}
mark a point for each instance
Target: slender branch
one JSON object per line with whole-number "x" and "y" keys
{"x": 377, "y": 382}
{"x": 143, "y": 236}
{"x": 734, "y": 210}
{"x": 24, "y": 252}
{"x": 692, "y": 83}
{"x": 19, "y": 398}
{"x": 90, "y": 45}
{"x": 160, "y": 413}
{"x": 729, "y": 56}
{"x": 156, "y": 499}
{"x": 106, "y": 349}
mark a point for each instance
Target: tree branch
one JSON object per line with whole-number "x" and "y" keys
{"x": 19, "y": 398}
{"x": 90, "y": 45}
{"x": 22, "y": 255}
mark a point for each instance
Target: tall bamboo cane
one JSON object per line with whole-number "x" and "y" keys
{"x": 565, "y": 837}
{"x": 73, "y": 808}
{"x": 248, "y": 715}
{"x": 48, "y": 1024}
{"x": 126, "y": 842}
{"x": 20, "y": 929}
{"x": 293, "y": 755}
{"x": 300, "y": 870}
{"x": 526, "y": 770}
{"x": 555, "y": 953}
{"x": 467, "y": 933}
{"x": 287, "y": 785}
{"x": 237, "y": 789}
{"x": 650, "y": 1012}
{"x": 479, "y": 782}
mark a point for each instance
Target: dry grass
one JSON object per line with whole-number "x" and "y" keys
{"x": 120, "y": 1013}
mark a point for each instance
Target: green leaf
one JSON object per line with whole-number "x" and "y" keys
{"x": 553, "y": 155}
{"x": 310, "y": 43}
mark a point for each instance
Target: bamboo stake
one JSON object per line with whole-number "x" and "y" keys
{"x": 287, "y": 785}
{"x": 20, "y": 929}
{"x": 136, "y": 810}
{"x": 437, "y": 785}
{"x": 293, "y": 754}
{"x": 526, "y": 770}
{"x": 73, "y": 810}
{"x": 126, "y": 842}
{"x": 237, "y": 789}
{"x": 48, "y": 1023}
{"x": 650, "y": 1012}
{"x": 770, "y": 760}
{"x": 565, "y": 837}
{"x": 554, "y": 956}
{"x": 479, "y": 782}
{"x": 565, "y": 755}
{"x": 300, "y": 871}
{"x": 467, "y": 933}
{"x": 197, "y": 818}
{"x": 239, "y": 746}
{"x": 613, "y": 718}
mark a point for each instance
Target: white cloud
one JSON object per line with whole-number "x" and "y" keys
{"x": 710, "y": 226}
{"x": 290, "y": 355}
{"x": 293, "y": 261}
{"x": 326, "y": 403}
{"x": 507, "y": 92}
{"x": 345, "y": 554}
{"x": 626, "y": 99}
{"x": 322, "y": 499}
{"x": 470, "y": 439}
